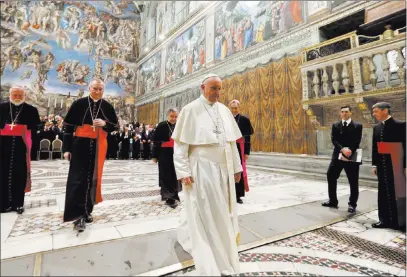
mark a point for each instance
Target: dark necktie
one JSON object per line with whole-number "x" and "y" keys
{"x": 345, "y": 124}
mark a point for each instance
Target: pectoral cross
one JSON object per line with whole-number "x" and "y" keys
{"x": 216, "y": 131}
{"x": 12, "y": 126}
{"x": 93, "y": 127}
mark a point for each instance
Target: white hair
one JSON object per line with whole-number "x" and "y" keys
{"x": 16, "y": 88}
{"x": 172, "y": 110}
{"x": 15, "y": 102}
{"x": 208, "y": 77}
{"x": 235, "y": 101}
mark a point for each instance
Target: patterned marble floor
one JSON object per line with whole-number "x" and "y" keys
{"x": 132, "y": 207}
{"x": 330, "y": 251}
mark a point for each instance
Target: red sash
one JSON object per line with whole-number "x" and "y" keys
{"x": 89, "y": 131}
{"x": 21, "y": 131}
{"x": 395, "y": 149}
{"x": 168, "y": 144}
{"x": 241, "y": 143}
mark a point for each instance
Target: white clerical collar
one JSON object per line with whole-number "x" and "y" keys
{"x": 206, "y": 101}
{"x": 384, "y": 121}
{"x": 347, "y": 121}
{"x": 94, "y": 100}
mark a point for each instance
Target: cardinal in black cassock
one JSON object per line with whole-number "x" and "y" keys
{"x": 163, "y": 152}
{"x": 389, "y": 163}
{"x": 85, "y": 143}
{"x": 243, "y": 146}
{"x": 18, "y": 126}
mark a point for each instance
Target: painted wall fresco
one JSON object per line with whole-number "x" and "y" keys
{"x": 241, "y": 24}
{"x": 150, "y": 74}
{"x": 168, "y": 15}
{"x": 55, "y": 48}
{"x": 186, "y": 54}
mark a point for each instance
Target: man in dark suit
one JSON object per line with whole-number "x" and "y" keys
{"x": 390, "y": 171}
{"x": 346, "y": 136}
{"x": 146, "y": 139}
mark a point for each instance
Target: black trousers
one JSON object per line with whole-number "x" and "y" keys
{"x": 352, "y": 172}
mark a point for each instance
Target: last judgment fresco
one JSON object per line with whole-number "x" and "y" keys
{"x": 55, "y": 48}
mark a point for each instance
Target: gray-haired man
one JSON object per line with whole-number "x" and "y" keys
{"x": 163, "y": 152}
{"x": 18, "y": 124}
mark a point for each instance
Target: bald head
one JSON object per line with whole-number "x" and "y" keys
{"x": 96, "y": 89}
{"x": 17, "y": 95}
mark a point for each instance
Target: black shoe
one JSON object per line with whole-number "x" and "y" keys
{"x": 9, "y": 209}
{"x": 172, "y": 203}
{"x": 351, "y": 209}
{"x": 89, "y": 218}
{"x": 380, "y": 225}
{"x": 329, "y": 204}
{"x": 20, "y": 210}
{"x": 240, "y": 201}
{"x": 79, "y": 225}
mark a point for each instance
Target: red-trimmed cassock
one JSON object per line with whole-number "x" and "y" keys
{"x": 389, "y": 156}
{"x": 88, "y": 147}
{"x": 15, "y": 152}
{"x": 163, "y": 151}
{"x": 243, "y": 146}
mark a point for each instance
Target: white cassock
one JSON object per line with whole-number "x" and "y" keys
{"x": 205, "y": 148}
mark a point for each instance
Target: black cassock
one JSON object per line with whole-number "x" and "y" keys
{"x": 13, "y": 150}
{"x": 81, "y": 186}
{"x": 246, "y": 129}
{"x": 168, "y": 182}
{"x": 389, "y": 212}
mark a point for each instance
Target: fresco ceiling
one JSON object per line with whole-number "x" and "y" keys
{"x": 58, "y": 47}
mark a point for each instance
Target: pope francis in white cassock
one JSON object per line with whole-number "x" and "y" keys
{"x": 208, "y": 164}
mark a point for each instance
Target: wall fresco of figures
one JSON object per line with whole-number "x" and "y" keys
{"x": 178, "y": 101}
{"x": 55, "y": 48}
{"x": 241, "y": 24}
{"x": 150, "y": 74}
{"x": 168, "y": 15}
{"x": 186, "y": 54}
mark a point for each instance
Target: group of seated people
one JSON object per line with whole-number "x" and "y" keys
{"x": 133, "y": 141}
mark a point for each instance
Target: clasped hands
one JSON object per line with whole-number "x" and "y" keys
{"x": 99, "y": 122}
{"x": 347, "y": 152}
{"x": 188, "y": 181}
